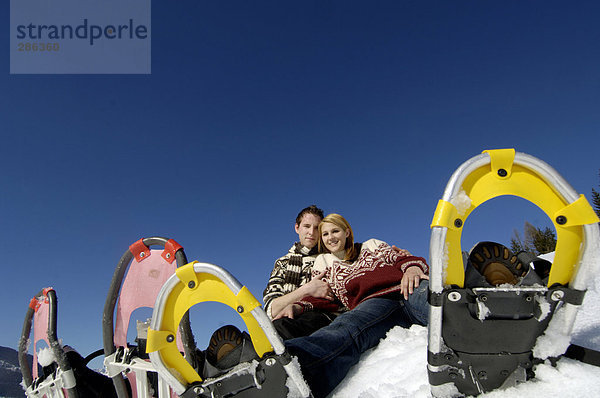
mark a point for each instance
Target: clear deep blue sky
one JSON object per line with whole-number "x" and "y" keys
{"x": 256, "y": 109}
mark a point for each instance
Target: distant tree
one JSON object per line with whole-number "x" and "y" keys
{"x": 535, "y": 240}
{"x": 544, "y": 240}
{"x": 596, "y": 200}
{"x": 540, "y": 241}
{"x": 517, "y": 244}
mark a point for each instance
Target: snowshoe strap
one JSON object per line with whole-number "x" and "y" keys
{"x": 583, "y": 354}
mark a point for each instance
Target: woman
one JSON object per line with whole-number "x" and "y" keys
{"x": 357, "y": 272}
{"x": 382, "y": 287}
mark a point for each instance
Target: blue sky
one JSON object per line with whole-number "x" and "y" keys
{"x": 255, "y": 110}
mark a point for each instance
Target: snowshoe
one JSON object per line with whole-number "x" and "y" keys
{"x": 137, "y": 279}
{"x": 65, "y": 371}
{"x": 479, "y": 299}
{"x": 253, "y": 364}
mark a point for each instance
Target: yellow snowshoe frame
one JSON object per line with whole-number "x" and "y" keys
{"x": 502, "y": 176}
{"x": 486, "y": 176}
{"x": 195, "y": 283}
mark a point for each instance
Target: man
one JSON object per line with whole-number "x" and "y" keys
{"x": 291, "y": 280}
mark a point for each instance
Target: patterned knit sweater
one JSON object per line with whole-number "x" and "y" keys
{"x": 289, "y": 273}
{"x": 377, "y": 272}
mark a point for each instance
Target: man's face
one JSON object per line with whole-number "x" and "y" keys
{"x": 308, "y": 230}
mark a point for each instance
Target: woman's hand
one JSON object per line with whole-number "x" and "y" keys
{"x": 289, "y": 311}
{"x": 411, "y": 279}
{"x": 318, "y": 288}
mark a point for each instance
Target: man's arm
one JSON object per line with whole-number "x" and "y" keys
{"x": 275, "y": 285}
{"x": 317, "y": 287}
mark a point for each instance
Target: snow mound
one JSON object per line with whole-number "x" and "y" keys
{"x": 397, "y": 367}
{"x": 45, "y": 356}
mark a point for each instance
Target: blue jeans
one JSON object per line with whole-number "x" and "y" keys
{"x": 327, "y": 355}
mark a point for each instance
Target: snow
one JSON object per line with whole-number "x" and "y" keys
{"x": 554, "y": 341}
{"x": 445, "y": 262}
{"x": 483, "y": 311}
{"x": 544, "y": 306}
{"x": 46, "y": 356}
{"x": 462, "y": 202}
{"x": 397, "y": 367}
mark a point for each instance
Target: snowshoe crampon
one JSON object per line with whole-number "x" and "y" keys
{"x": 137, "y": 279}
{"x": 64, "y": 371}
{"x": 486, "y": 337}
{"x": 263, "y": 368}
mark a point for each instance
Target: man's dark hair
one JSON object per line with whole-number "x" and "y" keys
{"x": 312, "y": 209}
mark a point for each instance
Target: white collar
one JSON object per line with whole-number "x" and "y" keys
{"x": 305, "y": 250}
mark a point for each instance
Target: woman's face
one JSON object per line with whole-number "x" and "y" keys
{"x": 334, "y": 237}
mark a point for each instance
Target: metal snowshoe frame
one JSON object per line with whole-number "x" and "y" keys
{"x": 137, "y": 279}
{"x": 269, "y": 376}
{"x": 470, "y": 352}
{"x": 42, "y": 314}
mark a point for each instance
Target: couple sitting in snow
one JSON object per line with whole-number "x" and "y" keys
{"x": 333, "y": 306}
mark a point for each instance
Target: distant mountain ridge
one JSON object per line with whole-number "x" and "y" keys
{"x": 10, "y": 373}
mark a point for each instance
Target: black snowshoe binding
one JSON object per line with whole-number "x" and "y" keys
{"x": 490, "y": 309}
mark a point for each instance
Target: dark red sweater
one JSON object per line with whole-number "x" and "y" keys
{"x": 377, "y": 272}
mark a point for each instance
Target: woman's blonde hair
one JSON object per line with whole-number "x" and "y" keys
{"x": 338, "y": 220}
